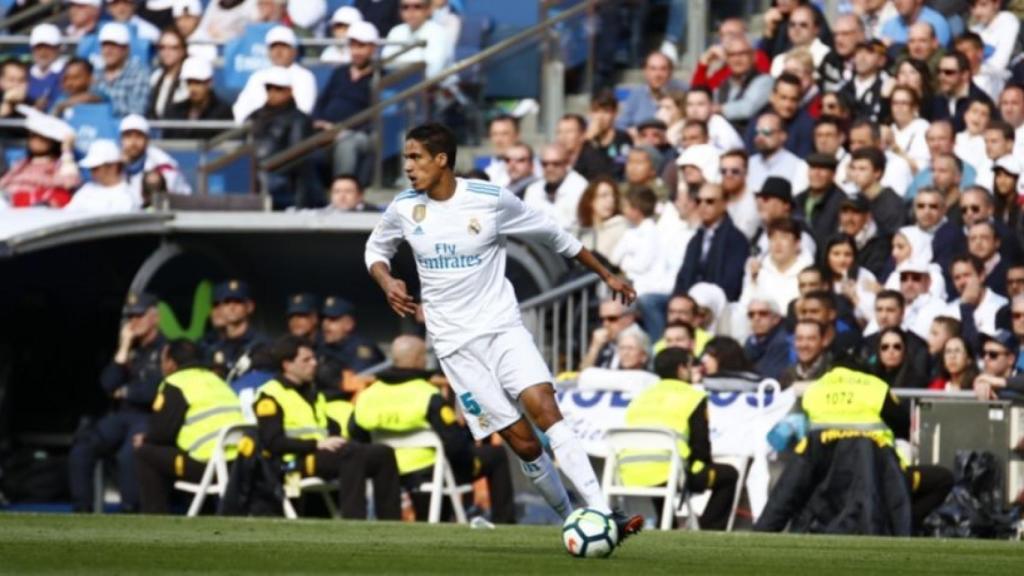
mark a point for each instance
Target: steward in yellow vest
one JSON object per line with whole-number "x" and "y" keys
{"x": 192, "y": 405}
{"x": 403, "y": 400}
{"x": 294, "y": 427}
{"x": 674, "y": 403}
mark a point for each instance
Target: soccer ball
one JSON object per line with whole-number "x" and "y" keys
{"x": 589, "y": 533}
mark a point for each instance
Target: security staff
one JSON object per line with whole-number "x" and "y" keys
{"x": 131, "y": 380}
{"x": 294, "y": 428}
{"x": 403, "y": 400}
{"x": 339, "y": 339}
{"x": 303, "y": 319}
{"x": 674, "y": 403}
{"x": 237, "y": 337}
{"x": 192, "y": 405}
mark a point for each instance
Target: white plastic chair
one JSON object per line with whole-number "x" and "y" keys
{"x": 662, "y": 443}
{"x": 215, "y": 476}
{"x": 442, "y": 481}
{"x": 314, "y": 485}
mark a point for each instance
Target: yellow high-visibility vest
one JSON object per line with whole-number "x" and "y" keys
{"x": 399, "y": 408}
{"x": 668, "y": 403}
{"x": 212, "y": 405}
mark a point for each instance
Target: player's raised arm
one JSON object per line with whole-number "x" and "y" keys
{"x": 515, "y": 218}
{"x": 380, "y": 248}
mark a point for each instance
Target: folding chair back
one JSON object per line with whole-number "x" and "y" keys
{"x": 648, "y": 444}
{"x": 442, "y": 481}
{"x": 215, "y": 475}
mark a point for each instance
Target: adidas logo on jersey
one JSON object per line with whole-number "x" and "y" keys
{"x": 418, "y": 231}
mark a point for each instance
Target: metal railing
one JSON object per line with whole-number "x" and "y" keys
{"x": 55, "y": 9}
{"x": 559, "y": 321}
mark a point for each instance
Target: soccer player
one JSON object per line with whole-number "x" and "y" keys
{"x": 457, "y": 229}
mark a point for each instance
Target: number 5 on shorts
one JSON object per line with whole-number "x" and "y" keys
{"x": 469, "y": 404}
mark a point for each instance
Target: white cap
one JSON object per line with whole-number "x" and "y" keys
{"x": 278, "y": 76}
{"x": 115, "y": 32}
{"x": 43, "y": 124}
{"x": 281, "y": 35}
{"x": 709, "y": 296}
{"x": 45, "y": 33}
{"x": 136, "y": 123}
{"x": 183, "y": 7}
{"x": 705, "y": 157}
{"x": 1009, "y": 164}
{"x": 95, "y": 3}
{"x": 364, "y": 32}
{"x": 196, "y": 68}
{"x": 347, "y": 15}
{"x": 915, "y": 265}
{"x": 307, "y": 13}
{"x": 101, "y": 152}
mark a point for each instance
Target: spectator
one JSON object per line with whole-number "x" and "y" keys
{"x": 339, "y": 339}
{"x": 829, "y": 137}
{"x": 918, "y": 76}
{"x": 348, "y": 92}
{"x": 76, "y": 82}
{"x": 700, "y": 106}
{"x": 652, "y": 133}
{"x": 772, "y": 159}
{"x": 970, "y": 142}
{"x": 774, "y": 274}
{"x": 941, "y": 138}
{"x": 558, "y": 193}
{"x": 768, "y": 346}
{"x": 633, "y": 348}
{"x": 998, "y": 28}
{"x": 609, "y": 141}
{"x": 598, "y": 217}
{"x": 873, "y": 246}
{"x": 1006, "y": 188}
{"x": 929, "y": 211}
{"x": 999, "y": 351}
{"x": 225, "y": 20}
{"x": 804, "y": 33}
{"x": 943, "y": 328}
{"x": 202, "y": 102}
{"x": 909, "y": 140}
{"x": 638, "y": 253}
{"x": 718, "y": 252}
{"x": 956, "y": 90}
{"x": 896, "y": 173}
{"x": 502, "y": 134}
{"x": 911, "y": 243}
{"x": 742, "y": 204}
{"x": 983, "y": 243}
{"x": 122, "y": 80}
{"x": 869, "y": 84}
{"x": 976, "y": 205}
{"x": 896, "y": 30}
{"x": 347, "y": 196}
{"x": 341, "y": 20}
{"x": 302, "y": 317}
{"x": 642, "y": 171}
{"x": 795, "y": 122}
{"x": 166, "y": 87}
{"x": 615, "y": 319}
{"x": 13, "y": 88}
{"x": 892, "y": 366}
{"x": 108, "y": 190}
{"x": 867, "y": 165}
{"x": 181, "y": 435}
{"x": 642, "y": 102}
{"x": 776, "y": 38}
{"x": 890, "y": 312}
{"x": 123, "y": 11}
{"x": 849, "y": 32}
{"x": 959, "y": 367}
{"x": 998, "y": 141}
{"x": 283, "y": 48}
{"x": 571, "y": 134}
{"x": 976, "y": 299}
{"x": 682, "y": 310}
{"x": 672, "y": 111}
{"x": 713, "y": 66}
{"x": 699, "y": 164}
{"x": 278, "y": 125}
{"x": 775, "y": 202}
{"x": 450, "y": 21}
{"x": 83, "y": 18}
{"x": 520, "y": 168}
{"x": 922, "y": 307}
{"x": 1011, "y": 109}
{"x": 417, "y": 26}
{"x": 990, "y": 81}
{"x": 800, "y": 63}
{"x": 44, "y": 77}
{"x": 724, "y": 357}
{"x": 48, "y": 174}
{"x": 141, "y": 157}
{"x": 130, "y": 380}
{"x": 849, "y": 279}
{"x": 237, "y": 336}
{"x": 813, "y": 359}
{"x": 874, "y": 14}
{"x": 271, "y": 11}
{"x": 746, "y": 87}
{"x": 924, "y": 47}
{"x": 820, "y": 204}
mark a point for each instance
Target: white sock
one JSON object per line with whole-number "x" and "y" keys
{"x": 544, "y": 476}
{"x": 574, "y": 462}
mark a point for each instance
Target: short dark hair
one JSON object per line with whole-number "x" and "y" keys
{"x": 684, "y": 326}
{"x": 14, "y": 62}
{"x": 736, "y": 153}
{"x": 821, "y": 327}
{"x": 577, "y": 118}
{"x": 668, "y": 362}
{"x": 873, "y": 155}
{"x": 788, "y": 78}
{"x": 504, "y": 118}
{"x": 437, "y": 139}
{"x": 892, "y": 295}
{"x": 643, "y": 199}
{"x": 729, "y": 354}
{"x": 698, "y": 123}
{"x": 829, "y": 120}
{"x": 828, "y": 299}
{"x": 1003, "y": 127}
{"x": 876, "y": 130}
{"x": 969, "y": 259}
{"x": 79, "y": 61}
{"x": 604, "y": 100}
{"x": 971, "y": 38}
{"x": 984, "y": 102}
{"x": 961, "y": 60}
{"x": 286, "y": 349}
{"x": 699, "y": 90}
{"x": 184, "y": 353}
{"x": 785, "y": 226}
{"x": 350, "y": 177}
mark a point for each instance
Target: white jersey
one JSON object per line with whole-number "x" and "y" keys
{"x": 459, "y": 247}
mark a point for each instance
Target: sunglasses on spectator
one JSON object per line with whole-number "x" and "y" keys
{"x": 911, "y": 276}
{"x": 924, "y": 206}
{"x": 993, "y": 354}
{"x": 610, "y": 318}
{"x": 708, "y": 201}
{"x": 972, "y": 208}
{"x": 759, "y": 314}
{"x": 948, "y": 71}
{"x": 893, "y": 347}
{"x": 731, "y": 171}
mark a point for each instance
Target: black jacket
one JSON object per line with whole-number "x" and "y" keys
{"x": 887, "y": 211}
{"x": 771, "y": 354}
{"x": 216, "y": 109}
{"x": 140, "y": 377}
{"x": 275, "y": 129}
{"x": 875, "y": 255}
{"x": 824, "y": 217}
{"x": 940, "y": 106}
{"x": 724, "y": 264}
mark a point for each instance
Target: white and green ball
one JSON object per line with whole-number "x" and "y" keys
{"x": 589, "y": 533}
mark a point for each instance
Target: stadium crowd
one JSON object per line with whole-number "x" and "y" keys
{"x": 828, "y": 191}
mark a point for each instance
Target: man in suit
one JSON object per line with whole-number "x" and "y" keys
{"x": 977, "y": 205}
{"x": 956, "y": 90}
{"x": 718, "y": 252}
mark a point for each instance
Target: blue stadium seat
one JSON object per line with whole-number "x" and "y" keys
{"x": 13, "y": 155}
{"x": 233, "y": 179}
{"x": 242, "y": 57}
{"x": 92, "y": 122}
{"x": 481, "y": 162}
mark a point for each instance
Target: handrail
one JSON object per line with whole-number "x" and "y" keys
{"x": 30, "y": 13}
{"x": 158, "y": 124}
{"x": 560, "y": 292}
{"x": 286, "y": 157}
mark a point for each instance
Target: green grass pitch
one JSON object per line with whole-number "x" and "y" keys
{"x": 108, "y": 545}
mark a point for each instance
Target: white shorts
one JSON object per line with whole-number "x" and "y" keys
{"x": 489, "y": 373}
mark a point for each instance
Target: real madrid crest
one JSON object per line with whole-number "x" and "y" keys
{"x": 419, "y": 212}
{"x": 474, "y": 226}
